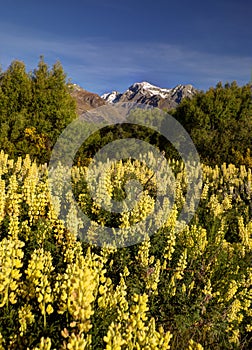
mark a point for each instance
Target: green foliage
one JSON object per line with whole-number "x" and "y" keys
{"x": 219, "y": 122}
{"x": 34, "y": 108}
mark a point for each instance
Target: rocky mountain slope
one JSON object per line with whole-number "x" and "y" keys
{"x": 144, "y": 93}
{"x": 147, "y": 93}
{"x": 85, "y": 100}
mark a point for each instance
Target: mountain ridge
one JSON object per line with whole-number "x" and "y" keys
{"x": 146, "y": 93}
{"x": 142, "y": 93}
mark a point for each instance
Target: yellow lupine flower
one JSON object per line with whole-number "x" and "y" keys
{"x": 11, "y": 256}
{"x": 26, "y": 317}
{"x": 2, "y": 342}
{"x": 45, "y": 344}
{"x": 194, "y": 346}
{"x": 37, "y": 284}
{"x": 78, "y": 342}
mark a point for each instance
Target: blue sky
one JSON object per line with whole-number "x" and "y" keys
{"x": 110, "y": 44}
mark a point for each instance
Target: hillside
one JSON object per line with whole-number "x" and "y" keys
{"x": 85, "y": 100}
{"x": 123, "y": 252}
{"x": 36, "y": 107}
{"x": 155, "y": 96}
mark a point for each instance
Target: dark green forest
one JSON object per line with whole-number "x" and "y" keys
{"x": 219, "y": 122}
{"x": 36, "y": 106}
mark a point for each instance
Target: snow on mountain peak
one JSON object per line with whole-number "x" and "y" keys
{"x": 110, "y": 96}
{"x": 151, "y": 89}
{"x": 144, "y": 92}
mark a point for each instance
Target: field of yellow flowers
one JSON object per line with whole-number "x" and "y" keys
{"x": 174, "y": 290}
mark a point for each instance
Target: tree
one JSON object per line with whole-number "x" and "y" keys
{"x": 219, "y": 122}
{"x": 38, "y": 101}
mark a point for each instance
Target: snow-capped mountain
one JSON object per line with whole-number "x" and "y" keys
{"x": 144, "y": 93}
{"x": 147, "y": 93}
{"x": 111, "y": 97}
